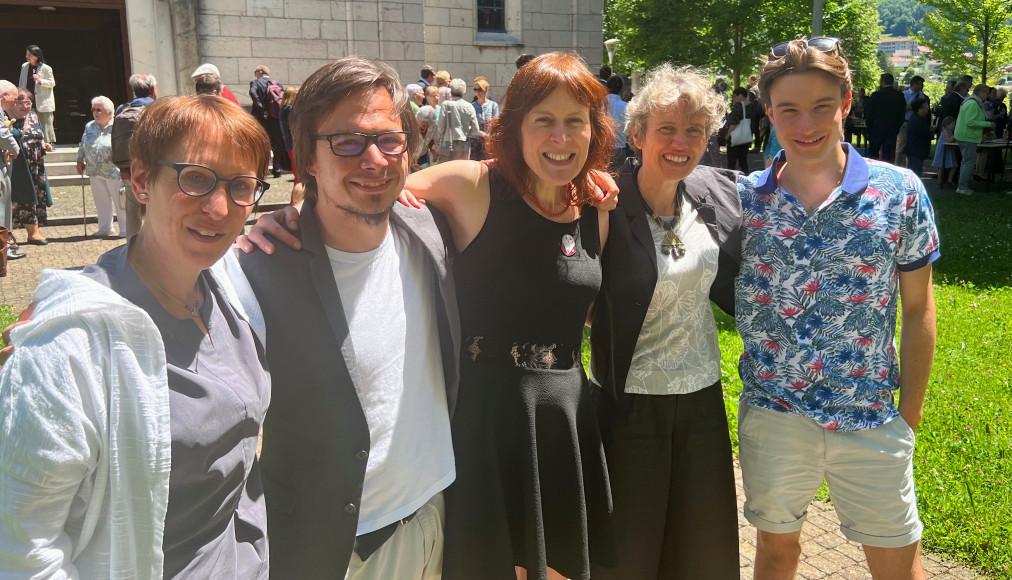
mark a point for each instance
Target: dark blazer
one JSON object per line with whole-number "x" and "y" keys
{"x": 919, "y": 136}
{"x": 316, "y": 439}
{"x": 885, "y": 113}
{"x": 258, "y": 92}
{"x": 629, "y": 264}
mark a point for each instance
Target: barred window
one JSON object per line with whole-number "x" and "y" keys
{"x": 492, "y": 15}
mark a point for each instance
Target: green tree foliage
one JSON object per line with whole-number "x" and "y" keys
{"x": 855, "y": 22}
{"x": 901, "y": 17}
{"x": 969, "y": 35}
{"x": 885, "y": 65}
{"x": 730, "y": 36}
{"x": 655, "y": 31}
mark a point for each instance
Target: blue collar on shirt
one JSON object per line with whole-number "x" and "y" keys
{"x": 140, "y": 101}
{"x": 855, "y": 175}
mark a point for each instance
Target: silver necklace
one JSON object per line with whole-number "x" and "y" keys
{"x": 192, "y": 309}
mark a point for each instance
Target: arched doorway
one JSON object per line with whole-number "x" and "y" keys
{"x": 85, "y": 43}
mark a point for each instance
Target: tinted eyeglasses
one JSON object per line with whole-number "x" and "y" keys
{"x": 822, "y": 43}
{"x": 353, "y": 144}
{"x": 199, "y": 180}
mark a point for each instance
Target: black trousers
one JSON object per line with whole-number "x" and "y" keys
{"x": 882, "y": 148}
{"x": 672, "y": 483}
{"x": 737, "y": 155}
{"x": 273, "y": 128}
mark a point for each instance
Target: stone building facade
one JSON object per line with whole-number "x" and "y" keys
{"x": 295, "y": 37}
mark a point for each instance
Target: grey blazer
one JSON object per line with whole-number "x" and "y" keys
{"x": 316, "y": 439}
{"x": 8, "y": 144}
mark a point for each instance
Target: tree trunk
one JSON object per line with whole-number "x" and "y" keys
{"x": 985, "y": 41}
{"x": 737, "y": 50}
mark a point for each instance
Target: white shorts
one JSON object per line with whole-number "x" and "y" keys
{"x": 784, "y": 459}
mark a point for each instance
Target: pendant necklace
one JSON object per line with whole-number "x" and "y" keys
{"x": 671, "y": 245}
{"x": 192, "y": 309}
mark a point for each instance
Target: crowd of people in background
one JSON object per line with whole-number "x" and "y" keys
{"x": 894, "y": 123}
{"x": 898, "y": 125}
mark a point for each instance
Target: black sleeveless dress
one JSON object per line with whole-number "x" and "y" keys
{"x": 532, "y": 485}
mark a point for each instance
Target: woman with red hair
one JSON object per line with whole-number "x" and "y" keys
{"x": 531, "y": 497}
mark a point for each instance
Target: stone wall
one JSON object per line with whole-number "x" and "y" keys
{"x": 295, "y": 37}
{"x": 533, "y": 26}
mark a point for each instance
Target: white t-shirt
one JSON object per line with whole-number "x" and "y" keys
{"x": 677, "y": 351}
{"x": 389, "y": 297}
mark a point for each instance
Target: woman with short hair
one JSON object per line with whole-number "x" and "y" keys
{"x": 456, "y": 124}
{"x": 673, "y": 246}
{"x": 486, "y": 109}
{"x": 443, "y": 84}
{"x": 29, "y": 182}
{"x": 143, "y": 464}
{"x": 37, "y": 77}
{"x": 94, "y": 155}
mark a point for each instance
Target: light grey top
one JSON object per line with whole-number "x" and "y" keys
{"x": 457, "y": 122}
{"x": 677, "y": 351}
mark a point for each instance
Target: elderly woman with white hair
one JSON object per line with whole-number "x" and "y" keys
{"x": 94, "y": 156}
{"x": 673, "y": 246}
{"x": 426, "y": 116}
{"x": 457, "y": 123}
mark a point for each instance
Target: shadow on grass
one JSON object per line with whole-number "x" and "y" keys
{"x": 976, "y": 238}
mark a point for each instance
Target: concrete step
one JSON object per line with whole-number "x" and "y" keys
{"x": 60, "y": 168}
{"x": 65, "y": 180}
{"x": 62, "y": 154}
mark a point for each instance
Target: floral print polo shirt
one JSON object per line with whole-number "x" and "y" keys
{"x": 816, "y": 299}
{"x": 96, "y": 151}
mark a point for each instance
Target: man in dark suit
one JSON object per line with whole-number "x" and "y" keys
{"x": 950, "y": 103}
{"x": 884, "y": 116}
{"x": 261, "y": 99}
{"x": 362, "y": 341}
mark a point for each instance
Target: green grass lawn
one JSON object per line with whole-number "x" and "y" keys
{"x": 963, "y": 461}
{"x": 7, "y": 315}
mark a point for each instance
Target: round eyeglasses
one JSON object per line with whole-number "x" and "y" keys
{"x": 199, "y": 180}
{"x": 353, "y": 144}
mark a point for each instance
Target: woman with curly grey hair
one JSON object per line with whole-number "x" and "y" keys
{"x": 674, "y": 245}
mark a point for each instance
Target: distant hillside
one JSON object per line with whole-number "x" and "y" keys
{"x": 896, "y": 16}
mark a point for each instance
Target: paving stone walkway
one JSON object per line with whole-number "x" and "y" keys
{"x": 826, "y": 553}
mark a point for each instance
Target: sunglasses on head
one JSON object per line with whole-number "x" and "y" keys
{"x": 822, "y": 43}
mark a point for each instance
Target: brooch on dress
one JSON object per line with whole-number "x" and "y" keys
{"x": 568, "y": 245}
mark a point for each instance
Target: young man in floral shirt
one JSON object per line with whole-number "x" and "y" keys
{"x": 831, "y": 240}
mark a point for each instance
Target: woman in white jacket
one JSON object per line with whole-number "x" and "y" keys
{"x": 37, "y": 76}
{"x": 131, "y": 405}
